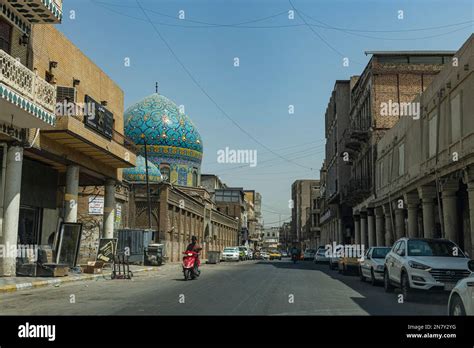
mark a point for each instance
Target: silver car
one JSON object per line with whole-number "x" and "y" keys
{"x": 321, "y": 255}
{"x": 372, "y": 264}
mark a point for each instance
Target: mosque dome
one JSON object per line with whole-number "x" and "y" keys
{"x": 173, "y": 142}
{"x": 138, "y": 173}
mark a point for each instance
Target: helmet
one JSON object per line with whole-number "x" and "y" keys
{"x": 194, "y": 238}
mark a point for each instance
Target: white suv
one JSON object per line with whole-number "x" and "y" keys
{"x": 424, "y": 264}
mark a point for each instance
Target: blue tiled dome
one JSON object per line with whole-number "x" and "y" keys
{"x": 159, "y": 121}
{"x": 138, "y": 173}
{"x": 173, "y": 143}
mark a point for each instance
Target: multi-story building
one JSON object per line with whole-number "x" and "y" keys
{"x": 424, "y": 171}
{"x": 271, "y": 237}
{"x": 300, "y": 213}
{"x": 80, "y": 145}
{"x": 285, "y": 235}
{"x": 211, "y": 183}
{"x": 379, "y": 98}
{"x": 337, "y": 214}
{"x": 231, "y": 201}
{"x": 313, "y": 237}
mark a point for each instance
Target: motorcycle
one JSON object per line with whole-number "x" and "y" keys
{"x": 191, "y": 264}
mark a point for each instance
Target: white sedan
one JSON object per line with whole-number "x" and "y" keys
{"x": 461, "y": 299}
{"x": 372, "y": 264}
{"x": 231, "y": 254}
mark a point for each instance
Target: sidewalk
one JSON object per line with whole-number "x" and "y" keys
{"x": 12, "y": 284}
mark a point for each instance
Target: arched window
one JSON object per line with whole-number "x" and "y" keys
{"x": 165, "y": 172}
{"x": 195, "y": 177}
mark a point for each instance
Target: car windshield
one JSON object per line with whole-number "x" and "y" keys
{"x": 380, "y": 253}
{"x": 230, "y": 249}
{"x": 433, "y": 248}
{"x": 310, "y": 251}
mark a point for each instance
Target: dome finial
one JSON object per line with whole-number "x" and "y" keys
{"x": 156, "y": 87}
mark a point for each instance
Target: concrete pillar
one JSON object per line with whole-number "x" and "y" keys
{"x": 427, "y": 195}
{"x": 379, "y": 227}
{"x": 340, "y": 225}
{"x": 371, "y": 227}
{"x": 399, "y": 223}
{"x": 70, "y": 197}
{"x": 109, "y": 208}
{"x": 363, "y": 228}
{"x": 11, "y": 210}
{"x": 413, "y": 201}
{"x": 469, "y": 238}
{"x": 450, "y": 210}
{"x": 357, "y": 229}
{"x": 388, "y": 225}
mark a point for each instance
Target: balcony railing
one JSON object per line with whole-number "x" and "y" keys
{"x": 39, "y": 11}
{"x": 26, "y": 82}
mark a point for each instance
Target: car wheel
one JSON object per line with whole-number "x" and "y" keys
{"x": 361, "y": 275}
{"x": 405, "y": 286}
{"x": 456, "y": 307}
{"x": 386, "y": 282}
{"x": 372, "y": 277}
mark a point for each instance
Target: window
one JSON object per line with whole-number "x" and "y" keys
{"x": 432, "y": 136}
{"x": 401, "y": 249}
{"x": 195, "y": 178}
{"x": 5, "y": 35}
{"x": 165, "y": 172}
{"x": 456, "y": 118}
{"x": 401, "y": 159}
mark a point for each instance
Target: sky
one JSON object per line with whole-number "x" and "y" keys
{"x": 251, "y": 74}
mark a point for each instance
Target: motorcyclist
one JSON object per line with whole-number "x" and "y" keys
{"x": 294, "y": 252}
{"x": 196, "y": 247}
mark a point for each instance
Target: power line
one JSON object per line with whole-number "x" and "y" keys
{"x": 188, "y": 72}
{"x": 240, "y": 25}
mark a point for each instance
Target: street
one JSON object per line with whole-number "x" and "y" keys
{"x": 243, "y": 288}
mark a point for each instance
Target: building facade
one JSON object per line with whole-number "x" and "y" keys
{"x": 381, "y": 96}
{"x": 301, "y": 191}
{"x": 424, "y": 168}
{"x": 62, "y": 117}
{"x": 336, "y": 218}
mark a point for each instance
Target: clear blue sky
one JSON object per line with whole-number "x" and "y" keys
{"x": 282, "y": 62}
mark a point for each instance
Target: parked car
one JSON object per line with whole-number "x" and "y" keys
{"x": 309, "y": 254}
{"x": 274, "y": 254}
{"x": 333, "y": 261}
{"x": 231, "y": 254}
{"x": 461, "y": 299}
{"x": 284, "y": 253}
{"x": 347, "y": 265}
{"x": 264, "y": 255}
{"x": 372, "y": 264}
{"x": 321, "y": 255}
{"x": 424, "y": 264}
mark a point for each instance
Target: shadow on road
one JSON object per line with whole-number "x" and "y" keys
{"x": 373, "y": 299}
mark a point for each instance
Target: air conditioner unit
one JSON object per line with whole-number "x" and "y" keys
{"x": 65, "y": 93}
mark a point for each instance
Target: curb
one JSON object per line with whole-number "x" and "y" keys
{"x": 42, "y": 283}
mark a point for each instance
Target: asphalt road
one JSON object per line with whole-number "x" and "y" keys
{"x": 243, "y": 288}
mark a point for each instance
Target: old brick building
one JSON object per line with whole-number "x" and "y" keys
{"x": 390, "y": 79}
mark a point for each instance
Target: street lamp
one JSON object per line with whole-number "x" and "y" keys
{"x": 147, "y": 182}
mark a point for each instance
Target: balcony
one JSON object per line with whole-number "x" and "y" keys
{"x": 356, "y": 191}
{"x": 26, "y": 100}
{"x": 39, "y": 11}
{"x": 118, "y": 152}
